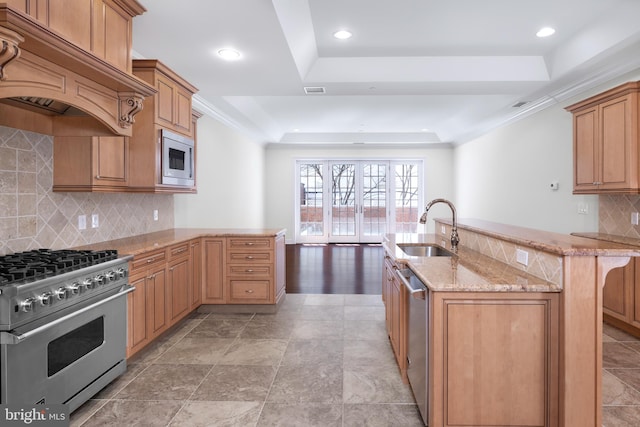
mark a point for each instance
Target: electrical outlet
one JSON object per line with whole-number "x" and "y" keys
{"x": 522, "y": 257}
{"x": 82, "y": 222}
{"x": 583, "y": 208}
{"x": 95, "y": 221}
{"x": 443, "y": 230}
{"x": 634, "y": 218}
{"x": 155, "y": 214}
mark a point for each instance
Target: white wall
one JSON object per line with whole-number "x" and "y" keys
{"x": 230, "y": 177}
{"x": 505, "y": 176}
{"x": 280, "y": 175}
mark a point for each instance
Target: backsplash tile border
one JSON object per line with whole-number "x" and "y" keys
{"x": 33, "y": 216}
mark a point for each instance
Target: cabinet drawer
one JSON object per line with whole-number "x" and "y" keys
{"x": 179, "y": 250}
{"x": 147, "y": 259}
{"x": 249, "y": 270}
{"x": 250, "y": 257}
{"x": 249, "y": 290}
{"x": 248, "y": 243}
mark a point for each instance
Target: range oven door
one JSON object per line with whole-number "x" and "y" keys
{"x": 67, "y": 359}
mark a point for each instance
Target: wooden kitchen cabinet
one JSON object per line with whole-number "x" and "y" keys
{"x": 147, "y": 308}
{"x": 195, "y": 294}
{"x": 395, "y": 298}
{"x": 170, "y": 109}
{"x": 90, "y": 163}
{"x": 179, "y": 282}
{"x": 606, "y": 142}
{"x": 621, "y": 298}
{"x": 213, "y": 289}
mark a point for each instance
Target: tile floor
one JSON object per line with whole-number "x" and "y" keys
{"x": 620, "y": 379}
{"x": 322, "y": 360}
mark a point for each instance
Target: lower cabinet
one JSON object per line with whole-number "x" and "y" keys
{"x": 195, "y": 254}
{"x": 395, "y": 297}
{"x": 621, "y": 297}
{"x": 179, "y": 282}
{"x": 147, "y": 308}
{"x": 213, "y": 271}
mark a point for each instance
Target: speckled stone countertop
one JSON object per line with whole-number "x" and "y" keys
{"x": 135, "y": 245}
{"x": 471, "y": 271}
{"x": 610, "y": 238}
{"x": 466, "y": 271}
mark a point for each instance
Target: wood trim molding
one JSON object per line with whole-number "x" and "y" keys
{"x": 9, "y": 50}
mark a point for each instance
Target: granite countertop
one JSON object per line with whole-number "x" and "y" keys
{"x": 576, "y": 244}
{"x": 142, "y": 243}
{"x": 610, "y": 238}
{"x": 466, "y": 271}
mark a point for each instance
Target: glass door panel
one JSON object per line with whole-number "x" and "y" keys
{"x": 311, "y": 202}
{"x": 406, "y": 197}
{"x": 373, "y": 212}
{"x": 343, "y": 202}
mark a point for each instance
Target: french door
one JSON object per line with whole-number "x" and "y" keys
{"x": 350, "y": 201}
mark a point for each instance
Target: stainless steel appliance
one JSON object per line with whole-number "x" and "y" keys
{"x": 418, "y": 350}
{"x": 63, "y": 325}
{"x": 177, "y": 159}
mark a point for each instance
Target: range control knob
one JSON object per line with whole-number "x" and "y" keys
{"x": 110, "y": 276}
{"x": 74, "y": 288}
{"x": 61, "y": 293}
{"x": 122, "y": 273}
{"x": 88, "y": 284}
{"x": 28, "y": 305}
{"x": 99, "y": 280}
{"x": 46, "y": 299}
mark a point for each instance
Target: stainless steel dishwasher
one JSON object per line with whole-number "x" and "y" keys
{"x": 417, "y": 362}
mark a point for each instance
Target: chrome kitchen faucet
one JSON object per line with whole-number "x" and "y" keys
{"x": 454, "y": 229}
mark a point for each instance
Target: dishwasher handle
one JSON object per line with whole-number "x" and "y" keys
{"x": 415, "y": 293}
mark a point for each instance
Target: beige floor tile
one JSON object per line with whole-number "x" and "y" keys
{"x": 300, "y": 384}
{"x": 202, "y": 351}
{"x": 236, "y": 383}
{"x": 313, "y": 352}
{"x": 165, "y": 382}
{"x": 297, "y": 415}
{"x": 219, "y": 414}
{"x": 324, "y": 299}
{"x": 118, "y": 413}
{"x": 254, "y": 352}
{"x": 382, "y": 415}
{"x": 318, "y": 329}
{"x": 375, "y": 384}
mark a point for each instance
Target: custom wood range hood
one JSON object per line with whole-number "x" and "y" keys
{"x": 84, "y": 81}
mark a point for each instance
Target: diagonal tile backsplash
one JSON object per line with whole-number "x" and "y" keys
{"x": 615, "y": 214}
{"x": 32, "y": 216}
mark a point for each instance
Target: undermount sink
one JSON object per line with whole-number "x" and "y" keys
{"x": 426, "y": 250}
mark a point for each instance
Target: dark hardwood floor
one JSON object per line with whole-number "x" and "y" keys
{"x": 334, "y": 269}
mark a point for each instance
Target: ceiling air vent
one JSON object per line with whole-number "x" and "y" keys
{"x": 313, "y": 90}
{"x": 519, "y": 104}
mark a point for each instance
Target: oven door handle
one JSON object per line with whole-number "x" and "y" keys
{"x": 16, "y": 338}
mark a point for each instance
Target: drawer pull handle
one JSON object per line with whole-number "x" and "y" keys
{"x": 249, "y": 291}
{"x": 150, "y": 260}
{"x": 248, "y": 270}
{"x": 249, "y": 243}
{"x": 249, "y": 257}
{"x": 179, "y": 251}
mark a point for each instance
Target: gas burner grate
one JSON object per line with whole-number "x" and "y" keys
{"x": 24, "y": 267}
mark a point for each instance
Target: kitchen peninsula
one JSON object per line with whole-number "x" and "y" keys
{"x": 177, "y": 271}
{"x": 514, "y": 323}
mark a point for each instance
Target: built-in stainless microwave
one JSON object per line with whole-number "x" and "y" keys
{"x": 177, "y": 159}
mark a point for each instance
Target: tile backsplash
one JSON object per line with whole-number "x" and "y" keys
{"x": 33, "y": 216}
{"x": 615, "y": 214}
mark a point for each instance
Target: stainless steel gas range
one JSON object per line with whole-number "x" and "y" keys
{"x": 63, "y": 325}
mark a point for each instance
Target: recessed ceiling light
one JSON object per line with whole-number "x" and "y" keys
{"x": 342, "y": 34}
{"x": 545, "y": 32}
{"x": 229, "y": 54}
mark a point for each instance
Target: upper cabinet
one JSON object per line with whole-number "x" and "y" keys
{"x": 168, "y": 110}
{"x": 606, "y": 140}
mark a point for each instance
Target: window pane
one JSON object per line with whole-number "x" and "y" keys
{"x": 406, "y": 198}
{"x": 374, "y": 199}
{"x": 311, "y": 209}
{"x": 343, "y": 200}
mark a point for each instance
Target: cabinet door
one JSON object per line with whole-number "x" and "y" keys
{"x": 178, "y": 284}
{"x": 615, "y": 144}
{"x": 182, "y": 113}
{"x": 585, "y": 150}
{"x": 156, "y": 301}
{"x": 615, "y": 298}
{"x": 137, "y": 331}
{"x": 110, "y": 160}
{"x": 165, "y": 101}
{"x": 196, "y": 274}
{"x": 212, "y": 285}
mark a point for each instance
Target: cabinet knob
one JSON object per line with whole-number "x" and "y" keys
{"x": 248, "y": 270}
{"x": 249, "y": 291}
{"x": 249, "y": 257}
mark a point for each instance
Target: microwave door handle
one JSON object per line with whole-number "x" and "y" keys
{"x": 191, "y": 161}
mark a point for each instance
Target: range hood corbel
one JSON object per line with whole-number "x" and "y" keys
{"x": 36, "y": 62}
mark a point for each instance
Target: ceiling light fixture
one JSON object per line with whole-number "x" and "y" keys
{"x": 229, "y": 54}
{"x": 342, "y": 34}
{"x": 545, "y": 32}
